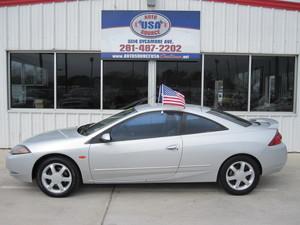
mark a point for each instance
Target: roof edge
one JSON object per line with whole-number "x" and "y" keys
{"x": 4, "y": 3}
{"x": 276, "y": 4}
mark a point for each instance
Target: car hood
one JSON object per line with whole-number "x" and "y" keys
{"x": 53, "y": 136}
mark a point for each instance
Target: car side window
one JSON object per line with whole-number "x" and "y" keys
{"x": 194, "y": 124}
{"x": 148, "y": 125}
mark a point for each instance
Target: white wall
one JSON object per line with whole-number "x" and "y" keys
{"x": 225, "y": 28}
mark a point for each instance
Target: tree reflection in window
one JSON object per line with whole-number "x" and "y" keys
{"x": 226, "y": 82}
{"x": 272, "y": 83}
{"x": 78, "y": 80}
{"x": 125, "y": 84}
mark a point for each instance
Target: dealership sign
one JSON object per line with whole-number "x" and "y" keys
{"x": 150, "y": 35}
{"x": 150, "y": 25}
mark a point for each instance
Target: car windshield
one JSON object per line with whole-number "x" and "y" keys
{"x": 230, "y": 117}
{"x": 91, "y": 128}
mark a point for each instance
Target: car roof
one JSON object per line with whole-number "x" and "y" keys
{"x": 159, "y": 106}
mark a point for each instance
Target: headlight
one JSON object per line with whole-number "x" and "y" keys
{"x": 19, "y": 149}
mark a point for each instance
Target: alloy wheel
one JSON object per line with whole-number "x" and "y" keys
{"x": 56, "y": 178}
{"x": 240, "y": 175}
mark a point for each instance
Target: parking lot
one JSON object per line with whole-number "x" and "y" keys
{"x": 276, "y": 200}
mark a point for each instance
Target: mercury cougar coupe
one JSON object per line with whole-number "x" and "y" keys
{"x": 153, "y": 144}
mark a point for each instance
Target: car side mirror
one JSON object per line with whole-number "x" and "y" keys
{"x": 105, "y": 137}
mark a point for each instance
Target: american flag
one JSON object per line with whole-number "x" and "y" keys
{"x": 170, "y": 97}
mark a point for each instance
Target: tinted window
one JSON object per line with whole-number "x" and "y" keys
{"x": 32, "y": 80}
{"x": 148, "y": 125}
{"x": 272, "y": 83}
{"x": 91, "y": 128}
{"x": 184, "y": 77}
{"x": 125, "y": 84}
{"x": 78, "y": 81}
{"x": 230, "y": 117}
{"x": 226, "y": 82}
{"x": 196, "y": 124}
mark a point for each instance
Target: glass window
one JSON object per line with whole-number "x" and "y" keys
{"x": 148, "y": 125}
{"x": 125, "y": 84}
{"x": 184, "y": 77}
{"x": 31, "y": 78}
{"x": 232, "y": 118}
{"x": 226, "y": 82}
{"x": 78, "y": 81}
{"x": 194, "y": 124}
{"x": 272, "y": 83}
{"x": 88, "y": 129}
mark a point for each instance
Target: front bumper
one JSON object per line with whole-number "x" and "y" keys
{"x": 20, "y": 166}
{"x": 273, "y": 158}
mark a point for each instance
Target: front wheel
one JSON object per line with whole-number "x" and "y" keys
{"x": 58, "y": 177}
{"x": 239, "y": 175}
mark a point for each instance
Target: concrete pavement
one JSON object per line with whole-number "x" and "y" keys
{"x": 276, "y": 200}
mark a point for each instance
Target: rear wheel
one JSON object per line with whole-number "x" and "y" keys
{"x": 239, "y": 175}
{"x": 58, "y": 177}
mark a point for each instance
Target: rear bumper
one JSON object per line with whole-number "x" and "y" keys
{"x": 20, "y": 166}
{"x": 273, "y": 159}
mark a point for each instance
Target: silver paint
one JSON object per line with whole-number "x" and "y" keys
{"x": 186, "y": 158}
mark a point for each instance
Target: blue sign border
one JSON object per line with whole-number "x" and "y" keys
{"x": 150, "y": 56}
{"x": 121, "y": 18}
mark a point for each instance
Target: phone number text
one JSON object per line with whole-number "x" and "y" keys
{"x": 149, "y": 48}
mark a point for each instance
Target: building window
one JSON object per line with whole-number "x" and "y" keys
{"x": 184, "y": 77}
{"x": 226, "y": 82}
{"x": 78, "y": 81}
{"x": 272, "y": 83}
{"x": 31, "y": 79}
{"x": 125, "y": 84}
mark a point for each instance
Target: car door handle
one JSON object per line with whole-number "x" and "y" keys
{"x": 172, "y": 147}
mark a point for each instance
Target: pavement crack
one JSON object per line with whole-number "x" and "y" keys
{"x": 108, "y": 204}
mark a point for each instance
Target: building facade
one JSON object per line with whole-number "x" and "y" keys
{"x": 52, "y": 74}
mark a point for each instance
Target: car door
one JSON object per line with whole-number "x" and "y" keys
{"x": 147, "y": 147}
{"x": 203, "y": 141}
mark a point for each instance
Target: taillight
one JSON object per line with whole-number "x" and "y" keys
{"x": 276, "y": 140}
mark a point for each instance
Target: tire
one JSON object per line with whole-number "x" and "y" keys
{"x": 58, "y": 177}
{"x": 239, "y": 175}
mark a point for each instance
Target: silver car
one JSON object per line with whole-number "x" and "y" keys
{"x": 153, "y": 144}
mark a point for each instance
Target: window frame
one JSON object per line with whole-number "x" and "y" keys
{"x": 200, "y": 61}
{"x": 147, "y": 62}
{"x": 250, "y": 55}
{"x": 296, "y": 71}
{"x": 203, "y": 117}
{"x": 152, "y": 78}
{"x": 9, "y": 76}
{"x": 54, "y": 109}
{"x": 230, "y": 117}
{"x": 56, "y": 85}
{"x": 249, "y": 76}
{"x": 248, "y": 111}
{"x": 96, "y": 139}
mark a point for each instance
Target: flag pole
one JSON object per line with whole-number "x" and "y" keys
{"x": 162, "y": 91}
{"x": 159, "y": 94}
{"x": 162, "y": 95}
